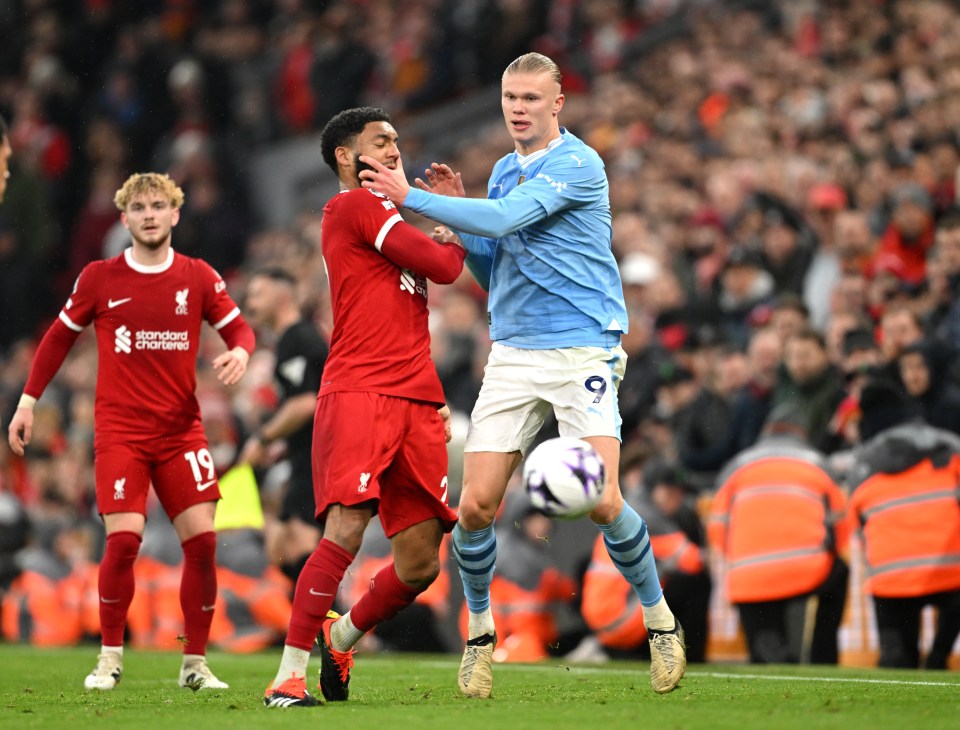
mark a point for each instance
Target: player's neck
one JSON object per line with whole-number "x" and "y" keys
{"x": 150, "y": 256}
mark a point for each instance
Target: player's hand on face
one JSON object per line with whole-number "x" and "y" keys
{"x": 21, "y": 430}
{"x": 445, "y": 415}
{"x": 442, "y": 234}
{"x": 381, "y": 179}
{"x": 231, "y": 365}
{"x": 442, "y": 181}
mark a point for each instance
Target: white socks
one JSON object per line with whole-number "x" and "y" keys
{"x": 343, "y": 634}
{"x": 659, "y": 617}
{"x": 293, "y": 663}
{"x": 480, "y": 624}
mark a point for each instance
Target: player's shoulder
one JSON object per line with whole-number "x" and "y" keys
{"x": 574, "y": 154}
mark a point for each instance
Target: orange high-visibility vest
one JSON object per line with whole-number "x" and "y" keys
{"x": 910, "y": 526}
{"x": 42, "y": 611}
{"x": 610, "y": 606}
{"x": 777, "y": 521}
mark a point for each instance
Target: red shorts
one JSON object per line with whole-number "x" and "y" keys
{"x": 180, "y": 469}
{"x": 368, "y": 446}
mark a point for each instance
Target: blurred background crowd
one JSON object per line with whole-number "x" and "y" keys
{"x": 783, "y": 180}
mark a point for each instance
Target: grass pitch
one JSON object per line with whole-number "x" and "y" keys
{"x": 43, "y": 689}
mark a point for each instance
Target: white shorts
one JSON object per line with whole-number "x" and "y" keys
{"x": 520, "y": 387}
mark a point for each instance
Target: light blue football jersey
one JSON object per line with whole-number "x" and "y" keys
{"x": 541, "y": 244}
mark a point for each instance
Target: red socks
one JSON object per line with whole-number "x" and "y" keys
{"x": 115, "y": 584}
{"x": 385, "y": 598}
{"x": 316, "y": 588}
{"x": 198, "y": 590}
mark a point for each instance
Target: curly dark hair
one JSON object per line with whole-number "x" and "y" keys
{"x": 344, "y": 127}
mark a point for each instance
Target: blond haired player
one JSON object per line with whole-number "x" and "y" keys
{"x": 146, "y": 306}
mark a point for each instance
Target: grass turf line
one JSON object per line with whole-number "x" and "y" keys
{"x": 43, "y": 689}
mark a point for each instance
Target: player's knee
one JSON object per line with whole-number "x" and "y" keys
{"x": 476, "y": 514}
{"x": 421, "y": 574}
{"x": 609, "y": 507}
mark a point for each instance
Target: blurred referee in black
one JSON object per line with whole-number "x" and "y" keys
{"x": 271, "y": 304}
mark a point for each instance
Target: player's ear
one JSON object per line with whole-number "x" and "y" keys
{"x": 558, "y": 104}
{"x": 123, "y": 219}
{"x": 176, "y": 217}
{"x": 344, "y": 156}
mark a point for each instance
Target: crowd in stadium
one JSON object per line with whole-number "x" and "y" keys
{"x": 783, "y": 181}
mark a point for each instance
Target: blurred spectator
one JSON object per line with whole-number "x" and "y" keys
{"x": 904, "y": 484}
{"x": 925, "y": 373}
{"x": 811, "y": 386}
{"x": 910, "y": 233}
{"x": 774, "y": 564}
{"x": 751, "y": 404}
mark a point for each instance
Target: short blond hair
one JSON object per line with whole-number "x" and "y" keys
{"x": 148, "y": 182}
{"x": 534, "y": 63}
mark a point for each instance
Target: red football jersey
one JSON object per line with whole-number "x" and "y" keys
{"x": 380, "y": 341}
{"x": 147, "y": 321}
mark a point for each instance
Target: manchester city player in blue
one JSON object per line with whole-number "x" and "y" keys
{"x": 541, "y": 245}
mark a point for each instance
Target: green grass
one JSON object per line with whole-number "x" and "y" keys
{"x": 43, "y": 688}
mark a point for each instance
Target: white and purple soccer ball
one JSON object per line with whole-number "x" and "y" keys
{"x": 564, "y": 477}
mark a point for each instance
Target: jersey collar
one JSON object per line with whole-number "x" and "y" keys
{"x": 534, "y": 156}
{"x": 144, "y": 269}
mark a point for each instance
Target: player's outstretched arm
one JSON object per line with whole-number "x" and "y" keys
{"x": 21, "y": 429}
{"x": 231, "y": 365}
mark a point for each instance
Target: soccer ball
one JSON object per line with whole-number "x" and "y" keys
{"x": 564, "y": 477}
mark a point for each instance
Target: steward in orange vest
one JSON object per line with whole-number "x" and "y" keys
{"x": 610, "y": 606}
{"x": 777, "y": 522}
{"x": 906, "y": 506}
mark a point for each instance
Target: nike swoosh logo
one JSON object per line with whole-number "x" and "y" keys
{"x": 314, "y": 593}
{"x": 206, "y": 485}
{"x": 109, "y": 600}
{"x": 207, "y": 608}
{"x": 111, "y": 303}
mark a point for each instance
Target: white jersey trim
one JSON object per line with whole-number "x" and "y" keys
{"x": 228, "y": 319}
{"x": 70, "y": 323}
{"x": 385, "y": 229}
{"x": 145, "y": 269}
{"x": 524, "y": 161}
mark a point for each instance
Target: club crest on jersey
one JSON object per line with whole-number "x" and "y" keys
{"x": 181, "y": 297}
{"x": 118, "y": 488}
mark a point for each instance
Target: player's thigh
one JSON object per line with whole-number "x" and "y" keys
{"x": 509, "y": 411}
{"x": 355, "y": 437}
{"x": 122, "y": 475}
{"x": 584, "y": 388}
{"x": 415, "y": 486}
{"x": 184, "y": 474}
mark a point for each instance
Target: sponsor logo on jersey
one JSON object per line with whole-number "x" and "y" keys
{"x": 126, "y": 341}
{"x": 111, "y": 303}
{"x": 219, "y": 286}
{"x": 118, "y": 488}
{"x": 413, "y": 283}
{"x": 122, "y": 339}
{"x": 162, "y": 340}
{"x": 181, "y": 297}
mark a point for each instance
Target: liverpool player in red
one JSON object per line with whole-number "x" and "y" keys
{"x": 380, "y": 430}
{"x": 147, "y": 306}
